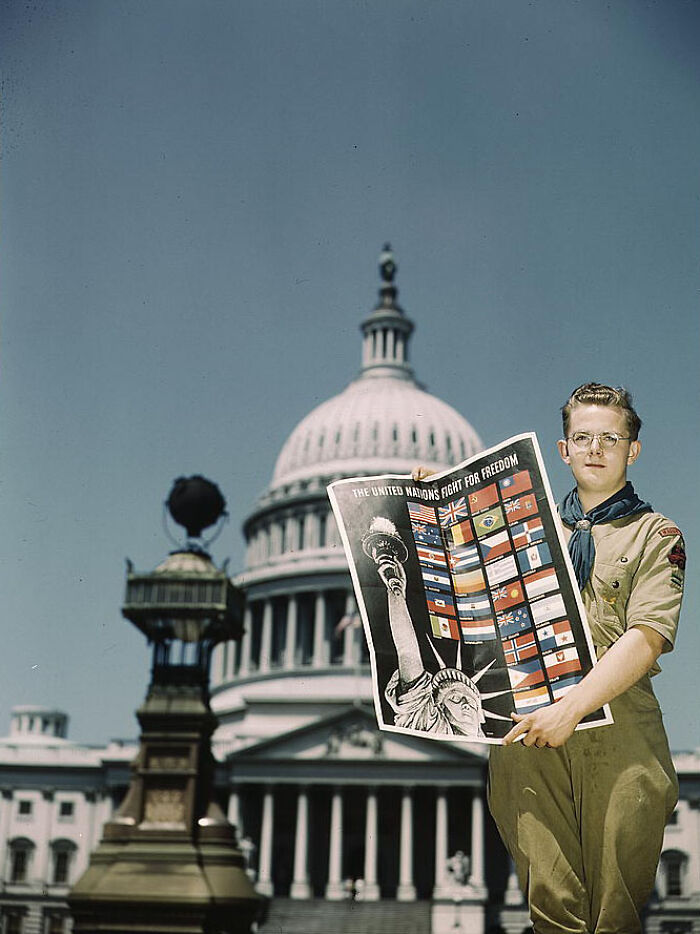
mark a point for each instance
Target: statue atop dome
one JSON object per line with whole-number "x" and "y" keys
{"x": 387, "y": 264}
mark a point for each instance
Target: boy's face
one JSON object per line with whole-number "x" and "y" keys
{"x": 599, "y": 473}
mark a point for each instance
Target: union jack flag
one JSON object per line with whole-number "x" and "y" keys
{"x": 453, "y": 512}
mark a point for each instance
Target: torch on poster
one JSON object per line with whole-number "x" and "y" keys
{"x": 466, "y": 591}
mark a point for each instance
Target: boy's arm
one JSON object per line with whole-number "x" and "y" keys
{"x": 623, "y": 665}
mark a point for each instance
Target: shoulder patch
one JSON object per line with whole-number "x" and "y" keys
{"x": 670, "y": 530}
{"x": 677, "y": 556}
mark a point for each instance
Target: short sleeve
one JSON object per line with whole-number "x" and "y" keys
{"x": 657, "y": 587}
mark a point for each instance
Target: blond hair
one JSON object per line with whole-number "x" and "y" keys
{"x": 599, "y": 394}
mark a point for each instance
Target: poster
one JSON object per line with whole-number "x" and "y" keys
{"x": 467, "y": 595}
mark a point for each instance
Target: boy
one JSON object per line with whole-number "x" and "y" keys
{"x": 583, "y": 814}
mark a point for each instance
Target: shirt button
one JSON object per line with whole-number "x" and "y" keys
{"x": 624, "y": 560}
{"x": 615, "y": 584}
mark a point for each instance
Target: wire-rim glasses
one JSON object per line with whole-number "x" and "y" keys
{"x": 606, "y": 439}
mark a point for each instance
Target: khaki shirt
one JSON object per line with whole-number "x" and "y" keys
{"x": 637, "y": 579}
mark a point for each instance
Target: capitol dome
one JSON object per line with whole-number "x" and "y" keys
{"x": 303, "y": 648}
{"x": 384, "y": 421}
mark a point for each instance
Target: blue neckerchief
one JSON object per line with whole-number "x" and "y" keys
{"x": 581, "y": 545}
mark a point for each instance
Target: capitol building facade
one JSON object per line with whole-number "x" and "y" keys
{"x": 343, "y": 826}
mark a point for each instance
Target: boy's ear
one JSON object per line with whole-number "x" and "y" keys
{"x": 634, "y": 451}
{"x": 564, "y": 451}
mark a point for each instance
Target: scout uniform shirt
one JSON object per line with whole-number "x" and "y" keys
{"x": 584, "y": 822}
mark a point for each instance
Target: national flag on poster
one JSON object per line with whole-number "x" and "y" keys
{"x": 461, "y": 534}
{"x": 468, "y": 582}
{"x": 527, "y": 533}
{"x": 526, "y": 674}
{"x": 435, "y": 578}
{"x": 431, "y": 556}
{"x": 509, "y": 595}
{"x": 536, "y": 556}
{"x": 453, "y": 512}
{"x": 513, "y": 623}
{"x": 548, "y": 608}
{"x": 482, "y": 499}
{"x": 520, "y": 508}
{"x": 541, "y": 582}
{"x": 463, "y": 557}
{"x": 441, "y": 604}
{"x": 476, "y": 606}
{"x": 495, "y": 546}
{"x": 563, "y": 686}
{"x": 502, "y": 570}
{"x": 530, "y": 699}
{"x": 426, "y": 534}
{"x": 444, "y": 628}
{"x": 518, "y": 483}
{"x": 554, "y": 635}
{"x": 418, "y": 512}
{"x": 519, "y": 648}
{"x": 478, "y": 630}
{"x": 490, "y": 521}
{"x": 562, "y": 662}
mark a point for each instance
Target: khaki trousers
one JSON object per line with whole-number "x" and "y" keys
{"x": 584, "y": 823}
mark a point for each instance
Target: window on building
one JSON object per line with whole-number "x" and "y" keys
{"x": 256, "y": 635}
{"x": 66, "y": 809}
{"x": 13, "y": 922}
{"x": 303, "y": 650}
{"x": 56, "y": 924}
{"x": 279, "y": 633}
{"x": 301, "y": 522}
{"x": 673, "y": 819}
{"x": 21, "y": 851}
{"x": 673, "y": 863}
{"x": 322, "y": 531}
{"x": 24, "y": 807}
{"x": 62, "y": 851}
{"x": 676, "y": 927}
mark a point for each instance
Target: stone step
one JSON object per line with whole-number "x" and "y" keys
{"x": 317, "y": 916}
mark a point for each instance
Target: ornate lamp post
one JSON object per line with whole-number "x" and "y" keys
{"x": 168, "y": 860}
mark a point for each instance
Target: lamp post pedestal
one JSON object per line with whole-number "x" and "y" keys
{"x": 168, "y": 862}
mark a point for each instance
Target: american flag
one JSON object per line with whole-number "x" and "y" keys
{"x": 419, "y": 512}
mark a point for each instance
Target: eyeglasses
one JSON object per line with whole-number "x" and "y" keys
{"x": 606, "y": 439}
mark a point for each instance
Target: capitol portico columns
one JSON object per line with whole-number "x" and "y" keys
{"x": 300, "y": 884}
{"x": 233, "y": 812}
{"x": 264, "y": 885}
{"x": 476, "y": 879}
{"x": 370, "y": 890}
{"x": 440, "y": 843}
{"x": 335, "y": 889}
{"x": 406, "y": 891}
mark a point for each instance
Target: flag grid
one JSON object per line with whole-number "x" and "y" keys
{"x": 511, "y": 595}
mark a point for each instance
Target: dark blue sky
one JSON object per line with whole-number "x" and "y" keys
{"x": 193, "y": 197}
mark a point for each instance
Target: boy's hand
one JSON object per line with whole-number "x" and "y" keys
{"x": 421, "y": 473}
